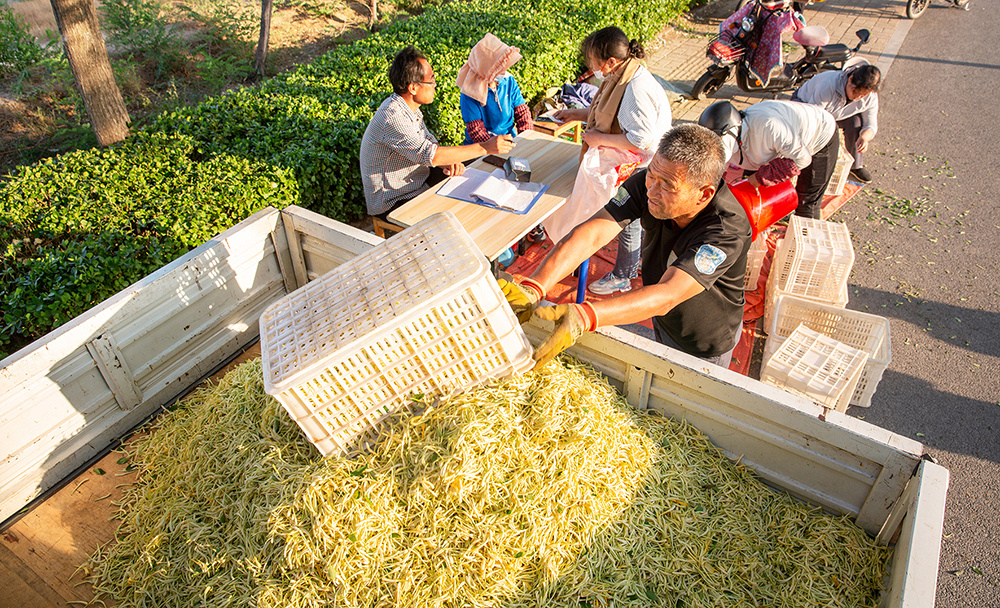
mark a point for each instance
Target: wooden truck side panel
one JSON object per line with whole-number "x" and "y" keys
{"x": 916, "y": 557}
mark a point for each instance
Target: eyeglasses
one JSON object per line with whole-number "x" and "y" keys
{"x": 432, "y": 83}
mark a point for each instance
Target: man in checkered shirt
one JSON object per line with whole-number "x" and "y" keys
{"x": 398, "y": 152}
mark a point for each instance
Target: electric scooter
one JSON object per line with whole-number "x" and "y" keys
{"x": 734, "y": 52}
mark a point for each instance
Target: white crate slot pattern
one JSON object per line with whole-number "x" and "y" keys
{"x": 814, "y": 259}
{"x": 863, "y": 331}
{"x": 755, "y": 261}
{"x": 817, "y": 367}
{"x": 772, "y": 294}
{"x": 841, "y": 171}
{"x": 417, "y": 314}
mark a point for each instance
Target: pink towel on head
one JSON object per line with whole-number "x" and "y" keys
{"x": 488, "y": 60}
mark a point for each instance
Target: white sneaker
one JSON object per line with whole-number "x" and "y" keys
{"x": 609, "y": 285}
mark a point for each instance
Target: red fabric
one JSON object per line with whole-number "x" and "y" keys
{"x": 743, "y": 352}
{"x": 522, "y": 118}
{"x": 477, "y": 131}
{"x": 768, "y": 54}
{"x": 754, "y": 299}
{"x": 777, "y": 171}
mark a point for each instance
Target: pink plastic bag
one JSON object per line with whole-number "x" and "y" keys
{"x": 596, "y": 182}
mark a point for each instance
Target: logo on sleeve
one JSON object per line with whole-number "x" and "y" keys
{"x": 620, "y": 197}
{"x": 708, "y": 259}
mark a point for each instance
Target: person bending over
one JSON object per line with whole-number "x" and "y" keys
{"x": 694, "y": 256}
{"x": 777, "y": 140}
{"x": 851, "y": 97}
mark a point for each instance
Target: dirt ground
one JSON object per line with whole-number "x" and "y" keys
{"x": 40, "y": 115}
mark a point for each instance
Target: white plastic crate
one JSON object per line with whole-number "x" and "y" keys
{"x": 417, "y": 314}
{"x": 772, "y": 294}
{"x": 817, "y": 367}
{"x": 838, "y": 181}
{"x": 755, "y": 260}
{"x": 814, "y": 259}
{"x": 863, "y": 331}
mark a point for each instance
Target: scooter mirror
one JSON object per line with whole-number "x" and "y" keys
{"x": 864, "y": 35}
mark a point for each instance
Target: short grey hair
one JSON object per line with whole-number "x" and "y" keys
{"x": 697, "y": 148}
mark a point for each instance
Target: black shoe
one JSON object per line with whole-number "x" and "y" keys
{"x": 862, "y": 175}
{"x": 537, "y": 234}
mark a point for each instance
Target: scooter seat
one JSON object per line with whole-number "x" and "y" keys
{"x": 834, "y": 52}
{"x": 813, "y": 35}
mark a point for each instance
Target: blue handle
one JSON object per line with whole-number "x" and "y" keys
{"x": 581, "y": 287}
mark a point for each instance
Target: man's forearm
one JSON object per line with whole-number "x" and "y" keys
{"x": 576, "y": 247}
{"x": 450, "y": 155}
{"x": 648, "y": 301}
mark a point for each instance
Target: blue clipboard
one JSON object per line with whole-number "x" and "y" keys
{"x": 476, "y": 201}
{"x": 492, "y": 206}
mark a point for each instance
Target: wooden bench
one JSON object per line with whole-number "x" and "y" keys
{"x": 555, "y": 129}
{"x": 381, "y": 226}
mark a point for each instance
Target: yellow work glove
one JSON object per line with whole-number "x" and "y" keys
{"x": 572, "y": 321}
{"x": 523, "y": 297}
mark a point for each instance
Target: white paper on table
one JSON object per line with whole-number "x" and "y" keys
{"x": 492, "y": 188}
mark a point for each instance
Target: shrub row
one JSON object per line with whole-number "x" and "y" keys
{"x": 81, "y": 227}
{"x": 18, "y": 49}
{"x": 311, "y": 119}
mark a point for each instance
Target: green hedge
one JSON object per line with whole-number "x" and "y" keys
{"x": 80, "y": 227}
{"x": 311, "y": 119}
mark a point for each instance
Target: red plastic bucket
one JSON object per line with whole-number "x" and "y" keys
{"x": 765, "y": 205}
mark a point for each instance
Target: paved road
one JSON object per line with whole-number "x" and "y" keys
{"x": 927, "y": 253}
{"x": 927, "y": 242}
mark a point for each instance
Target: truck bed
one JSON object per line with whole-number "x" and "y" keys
{"x": 69, "y": 397}
{"x": 44, "y": 547}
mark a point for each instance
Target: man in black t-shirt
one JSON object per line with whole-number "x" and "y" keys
{"x": 694, "y": 255}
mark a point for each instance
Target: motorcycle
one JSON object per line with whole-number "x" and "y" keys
{"x": 915, "y": 8}
{"x": 796, "y": 6}
{"x": 735, "y": 49}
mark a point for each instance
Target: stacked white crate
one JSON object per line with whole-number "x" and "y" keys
{"x": 838, "y": 181}
{"x": 863, "y": 331}
{"x": 416, "y": 316}
{"x": 813, "y": 261}
{"x": 817, "y": 367}
{"x": 755, "y": 261}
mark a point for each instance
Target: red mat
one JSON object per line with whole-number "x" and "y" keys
{"x": 604, "y": 261}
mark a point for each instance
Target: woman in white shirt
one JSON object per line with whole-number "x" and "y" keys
{"x": 630, "y": 112}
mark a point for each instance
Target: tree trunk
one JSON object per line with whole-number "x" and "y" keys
{"x": 88, "y": 58}
{"x": 265, "y": 32}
